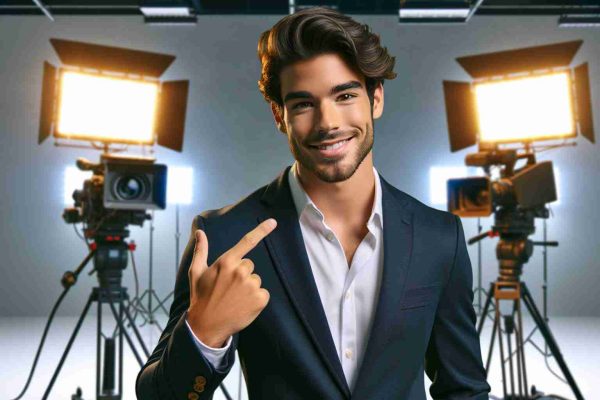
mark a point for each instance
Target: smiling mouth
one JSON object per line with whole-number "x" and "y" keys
{"x": 332, "y": 150}
{"x": 333, "y": 146}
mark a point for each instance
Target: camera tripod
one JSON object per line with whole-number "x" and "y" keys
{"x": 514, "y": 249}
{"x": 109, "y": 252}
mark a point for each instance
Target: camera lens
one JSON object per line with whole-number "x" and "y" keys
{"x": 129, "y": 187}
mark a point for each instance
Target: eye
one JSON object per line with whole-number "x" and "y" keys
{"x": 300, "y": 105}
{"x": 346, "y": 96}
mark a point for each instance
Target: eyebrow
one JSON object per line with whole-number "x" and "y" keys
{"x": 336, "y": 89}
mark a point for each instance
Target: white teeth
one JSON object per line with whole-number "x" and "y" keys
{"x": 333, "y": 146}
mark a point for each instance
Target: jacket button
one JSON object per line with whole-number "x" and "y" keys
{"x": 199, "y": 387}
{"x": 193, "y": 396}
{"x": 200, "y": 379}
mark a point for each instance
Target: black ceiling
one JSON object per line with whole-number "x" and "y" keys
{"x": 381, "y": 7}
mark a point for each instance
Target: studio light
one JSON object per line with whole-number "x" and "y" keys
{"x": 111, "y": 95}
{"x": 530, "y": 108}
{"x": 520, "y": 96}
{"x": 89, "y": 108}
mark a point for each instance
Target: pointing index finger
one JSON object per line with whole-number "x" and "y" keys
{"x": 252, "y": 238}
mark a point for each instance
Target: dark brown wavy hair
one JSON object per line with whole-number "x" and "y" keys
{"x": 319, "y": 30}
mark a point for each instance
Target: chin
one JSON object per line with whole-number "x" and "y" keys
{"x": 335, "y": 171}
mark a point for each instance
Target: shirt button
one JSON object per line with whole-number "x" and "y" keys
{"x": 330, "y": 236}
{"x": 348, "y": 295}
{"x": 348, "y": 353}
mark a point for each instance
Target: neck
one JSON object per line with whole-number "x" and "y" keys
{"x": 350, "y": 201}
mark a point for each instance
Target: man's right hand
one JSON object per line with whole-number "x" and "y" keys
{"x": 227, "y": 297}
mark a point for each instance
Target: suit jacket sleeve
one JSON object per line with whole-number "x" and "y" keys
{"x": 453, "y": 358}
{"x": 176, "y": 368}
{"x": 216, "y": 356}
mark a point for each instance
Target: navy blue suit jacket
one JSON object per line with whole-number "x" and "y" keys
{"x": 424, "y": 318}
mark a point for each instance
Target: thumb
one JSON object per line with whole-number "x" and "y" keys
{"x": 200, "y": 257}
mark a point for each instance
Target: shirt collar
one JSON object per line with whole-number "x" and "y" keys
{"x": 304, "y": 203}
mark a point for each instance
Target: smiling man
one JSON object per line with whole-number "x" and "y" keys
{"x": 329, "y": 282}
{"x": 330, "y": 127}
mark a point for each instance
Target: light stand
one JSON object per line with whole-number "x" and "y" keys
{"x": 137, "y": 303}
{"x": 177, "y": 236}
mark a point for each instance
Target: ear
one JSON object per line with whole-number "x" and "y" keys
{"x": 278, "y": 118}
{"x": 378, "y": 101}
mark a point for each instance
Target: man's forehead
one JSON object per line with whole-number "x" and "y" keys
{"x": 322, "y": 74}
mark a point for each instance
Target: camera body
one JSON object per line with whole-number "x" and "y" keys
{"x": 119, "y": 192}
{"x": 528, "y": 188}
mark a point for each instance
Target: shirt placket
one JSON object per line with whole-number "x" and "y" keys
{"x": 349, "y": 318}
{"x": 348, "y": 332}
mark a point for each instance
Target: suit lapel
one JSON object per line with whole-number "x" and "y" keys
{"x": 397, "y": 248}
{"x": 288, "y": 252}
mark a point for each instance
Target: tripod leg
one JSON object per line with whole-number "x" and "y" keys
{"x": 134, "y": 316}
{"x": 521, "y": 347}
{"x": 545, "y": 330}
{"x": 501, "y": 348}
{"x": 161, "y": 304}
{"x": 108, "y": 371}
{"x": 121, "y": 346}
{"x": 98, "y": 341}
{"x": 139, "y": 307}
{"x": 121, "y": 328}
{"x": 508, "y": 328}
{"x": 518, "y": 352}
{"x": 486, "y": 307}
{"x": 490, "y": 351}
{"x": 69, "y": 344}
{"x": 167, "y": 297}
{"x": 225, "y": 392}
{"x": 137, "y": 333}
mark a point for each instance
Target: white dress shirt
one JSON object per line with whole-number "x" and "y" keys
{"x": 348, "y": 293}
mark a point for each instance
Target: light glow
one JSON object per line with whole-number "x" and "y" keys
{"x": 94, "y": 107}
{"x": 556, "y": 172}
{"x": 179, "y": 185}
{"x": 525, "y": 109}
{"x": 73, "y": 180}
{"x": 438, "y": 178}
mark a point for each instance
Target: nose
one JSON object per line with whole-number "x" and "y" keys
{"x": 327, "y": 117}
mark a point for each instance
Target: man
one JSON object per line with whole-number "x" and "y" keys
{"x": 329, "y": 282}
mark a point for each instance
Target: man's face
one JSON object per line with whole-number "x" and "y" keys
{"x": 326, "y": 101}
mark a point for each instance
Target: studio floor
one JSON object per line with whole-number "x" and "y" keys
{"x": 578, "y": 339}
